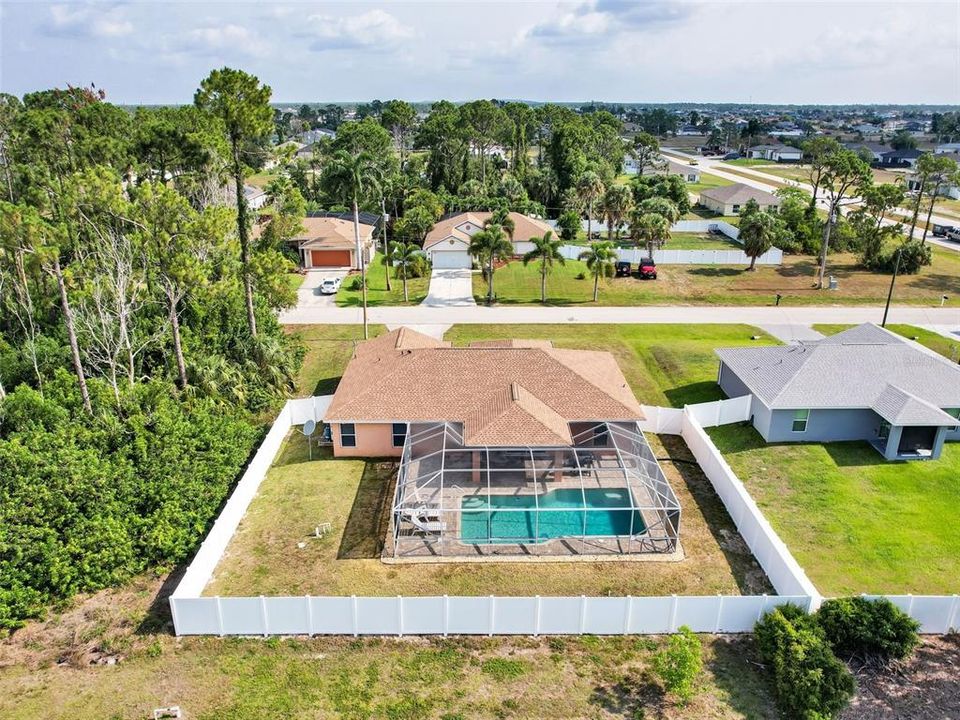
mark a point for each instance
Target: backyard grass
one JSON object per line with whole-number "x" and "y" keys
{"x": 950, "y": 349}
{"x": 855, "y": 522}
{"x": 48, "y": 673}
{"x": 354, "y": 497}
{"x": 707, "y": 181}
{"x": 328, "y": 350}
{"x": 262, "y": 179}
{"x": 700, "y": 241}
{"x": 377, "y": 293}
{"x": 670, "y": 365}
{"x": 747, "y": 162}
{"x": 732, "y": 285}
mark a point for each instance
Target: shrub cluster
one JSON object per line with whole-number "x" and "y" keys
{"x": 868, "y": 628}
{"x": 679, "y": 664}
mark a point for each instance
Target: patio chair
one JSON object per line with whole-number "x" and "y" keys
{"x": 428, "y": 526}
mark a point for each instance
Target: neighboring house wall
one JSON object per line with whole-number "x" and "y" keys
{"x": 825, "y": 426}
{"x": 372, "y": 440}
{"x": 728, "y": 208}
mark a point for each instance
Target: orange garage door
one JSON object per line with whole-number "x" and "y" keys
{"x": 330, "y": 258}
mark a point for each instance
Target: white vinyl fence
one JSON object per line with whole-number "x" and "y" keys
{"x": 491, "y": 615}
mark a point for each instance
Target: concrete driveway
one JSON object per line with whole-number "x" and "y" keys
{"x": 450, "y": 288}
{"x": 308, "y": 295}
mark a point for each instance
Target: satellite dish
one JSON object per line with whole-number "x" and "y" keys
{"x": 309, "y": 427}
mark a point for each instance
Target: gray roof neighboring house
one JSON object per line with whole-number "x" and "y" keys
{"x": 864, "y": 367}
{"x": 739, "y": 194}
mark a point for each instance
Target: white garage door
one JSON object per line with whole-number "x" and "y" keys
{"x": 451, "y": 259}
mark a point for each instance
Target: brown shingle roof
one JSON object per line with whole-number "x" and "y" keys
{"x": 525, "y": 227}
{"x": 522, "y": 394}
{"x": 327, "y": 233}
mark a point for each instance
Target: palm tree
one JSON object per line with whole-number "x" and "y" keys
{"x": 546, "y": 250}
{"x": 488, "y": 245}
{"x": 402, "y": 256}
{"x": 650, "y": 228}
{"x": 589, "y": 189}
{"x": 617, "y": 203}
{"x": 757, "y": 233}
{"x": 501, "y": 217}
{"x": 601, "y": 259}
{"x": 352, "y": 177}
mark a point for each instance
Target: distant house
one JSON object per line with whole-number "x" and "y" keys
{"x": 309, "y": 137}
{"x": 867, "y": 129}
{"x": 689, "y": 173}
{"x": 448, "y": 243}
{"x": 256, "y": 197}
{"x": 874, "y": 150}
{"x": 730, "y": 199}
{"x": 689, "y": 130}
{"x": 308, "y": 151}
{"x": 902, "y": 398}
{"x": 950, "y": 190}
{"x": 947, "y": 149}
{"x": 328, "y": 241}
{"x": 775, "y": 153}
{"x": 900, "y": 158}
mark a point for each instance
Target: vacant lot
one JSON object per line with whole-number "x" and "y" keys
{"x": 700, "y": 241}
{"x": 732, "y": 285}
{"x": 377, "y": 293}
{"x": 801, "y": 173}
{"x": 855, "y": 522}
{"x": 329, "y": 349}
{"x": 354, "y": 497}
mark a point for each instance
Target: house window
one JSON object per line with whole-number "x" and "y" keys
{"x": 736, "y": 210}
{"x": 399, "y": 434}
{"x": 800, "y": 418}
{"x": 884, "y": 432}
{"x": 348, "y": 435}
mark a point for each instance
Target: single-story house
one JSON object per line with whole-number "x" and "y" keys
{"x": 947, "y": 149}
{"x": 900, "y": 158}
{"x": 865, "y": 383}
{"x": 874, "y": 150}
{"x": 775, "y": 153}
{"x": 308, "y": 151}
{"x": 448, "y": 243}
{"x": 950, "y": 190}
{"x": 328, "y": 242}
{"x": 729, "y": 199}
{"x": 497, "y": 443}
{"x": 690, "y": 130}
{"x": 689, "y": 173}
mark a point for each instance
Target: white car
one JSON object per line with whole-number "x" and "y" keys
{"x": 330, "y": 286}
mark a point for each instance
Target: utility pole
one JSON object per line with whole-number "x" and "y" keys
{"x": 896, "y": 268}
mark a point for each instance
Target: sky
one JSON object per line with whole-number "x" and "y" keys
{"x": 606, "y": 50}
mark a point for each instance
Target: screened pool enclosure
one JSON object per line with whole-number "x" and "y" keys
{"x": 605, "y": 494}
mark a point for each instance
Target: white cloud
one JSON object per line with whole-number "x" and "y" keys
{"x": 87, "y": 21}
{"x": 220, "y": 39}
{"x": 588, "y": 22}
{"x": 372, "y": 30}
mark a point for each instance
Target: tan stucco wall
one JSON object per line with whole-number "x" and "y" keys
{"x": 373, "y": 440}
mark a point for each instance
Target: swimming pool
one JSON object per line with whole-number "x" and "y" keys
{"x": 562, "y": 513}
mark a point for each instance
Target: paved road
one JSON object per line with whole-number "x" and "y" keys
{"x": 946, "y": 318}
{"x": 450, "y": 288}
{"x": 765, "y": 181}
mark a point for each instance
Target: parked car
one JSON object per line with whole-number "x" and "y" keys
{"x": 647, "y": 269}
{"x": 693, "y": 162}
{"x": 953, "y": 234}
{"x": 731, "y": 156}
{"x": 329, "y": 286}
{"x": 623, "y": 269}
{"x": 942, "y": 230}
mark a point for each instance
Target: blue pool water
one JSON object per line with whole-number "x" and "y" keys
{"x": 514, "y": 518}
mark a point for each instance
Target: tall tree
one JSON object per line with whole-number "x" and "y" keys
{"x": 590, "y": 189}
{"x": 645, "y": 151}
{"x": 650, "y": 228}
{"x": 546, "y": 252}
{"x": 399, "y": 117}
{"x": 933, "y": 172}
{"x": 243, "y": 106}
{"x": 844, "y": 170}
{"x": 601, "y": 260}
{"x": 352, "y": 178}
{"x": 489, "y": 245}
{"x": 816, "y": 151}
{"x": 758, "y": 233}
{"x": 617, "y": 204}
{"x": 484, "y": 123}
{"x": 403, "y": 256}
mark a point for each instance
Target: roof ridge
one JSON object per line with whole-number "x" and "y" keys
{"x": 550, "y": 353}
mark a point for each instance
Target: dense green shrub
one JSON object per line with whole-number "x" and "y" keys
{"x": 86, "y": 502}
{"x": 868, "y": 628}
{"x": 809, "y": 681}
{"x": 679, "y": 664}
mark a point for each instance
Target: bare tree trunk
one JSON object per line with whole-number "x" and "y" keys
{"x": 823, "y": 250}
{"x": 543, "y": 284}
{"x": 926, "y": 227}
{"x": 753, "y": 262}
{"x": 177, "y": 345}
{"x": 403, "y": 272}
{"x": 490, "y": 282}
{"x": 363, "y": 270}
{"x": 386, "y": 251}
{"x": 244, "y": 239}
{"x": 71, "y": 334}
{"x": 596, "y": 286}
{"x": 916, "y": 207}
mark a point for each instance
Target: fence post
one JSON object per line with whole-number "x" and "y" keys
{"x": 219, "y": 617}
{"x": 763, "y": 607}
{"x": 536, "y": 626}
{"x": 399, "y": 615}
{"x": 309, "y": 616}
{"x": 263, "y": 615}
{"x": 716, "y": 625}
{"x": 493, "y": 616}
{"x": 353, "y": 615}
{"x": 583, "y": 613}
{"x": 673, "y": 613}
{"x": 952, "y": 615}
{"x": 446, "y": 614}
{"x": 628, "y": 615}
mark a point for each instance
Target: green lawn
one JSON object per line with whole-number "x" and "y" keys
{"x": 700, "y": 241}
{"x": 748, "y": 162}
{"x": 329, "y": 349}
{"x": 950, "y": 349}
{"x": 664, "y": 364}
{"x": 262, "y": 179}
{"x": 855, "y": 522}
{"x": 377, "y": 293}
{"x": 707, "y": 181}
